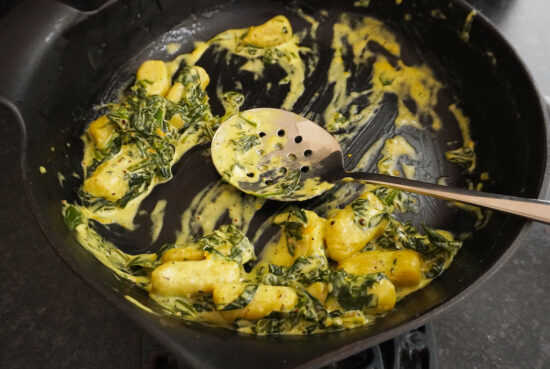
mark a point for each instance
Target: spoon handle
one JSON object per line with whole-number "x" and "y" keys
{"x": 538, "y": 210}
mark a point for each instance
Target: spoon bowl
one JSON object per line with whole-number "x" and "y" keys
{"x": 276, "y": 154}
{"x": 283, "y": 156}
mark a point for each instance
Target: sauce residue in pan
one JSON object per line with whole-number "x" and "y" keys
{"x": 330, "y": 268}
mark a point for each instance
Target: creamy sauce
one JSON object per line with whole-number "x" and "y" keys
{"x": 211, "y": 204}
{"x": 61, "y": 179}
{"x": 362, "y": 3}
{"x": 464, "y": 155}
{"x": 416, "y": 83}
{"x": 312, "y": 21}
{"x": 198, "y": 278}
{"x": 394, "y": 149}
{"x": 138, "y": 304}
{"x": 173, "y": 47}
{"x": 465, "y": 33}
{"x": 286, "y": 55}
{"x": 157, "y": 218}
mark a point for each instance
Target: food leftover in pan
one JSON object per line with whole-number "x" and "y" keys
{"x": 333, "y": 266}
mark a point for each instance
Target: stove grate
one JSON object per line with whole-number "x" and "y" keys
{"x": 413, "y": 350}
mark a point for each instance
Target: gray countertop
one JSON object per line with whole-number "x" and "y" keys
{"x": 52, "y": 319}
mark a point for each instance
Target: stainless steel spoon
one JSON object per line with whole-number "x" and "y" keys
{"x": 280, "y": 155}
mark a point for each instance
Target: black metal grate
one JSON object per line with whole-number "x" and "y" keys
{"x": 413, "y": 350}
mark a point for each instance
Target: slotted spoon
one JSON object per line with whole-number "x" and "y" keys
{"x": 283, "y": 156}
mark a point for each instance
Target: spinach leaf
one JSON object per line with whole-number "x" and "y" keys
{"x": 232, "y": 102}
{"x": 246, "y": 142}
{"x": 275, "y": 323}
{"x": 291, "y": 214}
{"x": 284, "y": 185}
{"x": 387, "y": 195}
{"x": 184, "y": 308}
{"x": 290, "y": 183}
{"x": 377, "y": 219}
{"x": 292, "y": 220}
{"x": 362, "y": 218}
{"x": 308, "y": 313}
{"x": 398, "y": 236}
{"x": 142, "y": 264}
{"x": 360, "y": 207}
{"x": 463, "y": 156}
{"x": 73, "y": 217}
{"x": 143, "y": 121}
{"x": 165, "y": 248}
{"x": 244, "y": 298}
{"x": 229, "y": 242}
{"x": 204, "y": 302}
{"x": 247, "y": 121}
{"x": 435, "y": 248}
{"x": 308, "y": 270}
{"x": 271, "y": 279}
{"x": 304, "y": 271}
{"x": 440, "y": 241}
{"x": 308, "y": 307}
{"x": 435, "y": 268}
{"x": 351, "y": 291}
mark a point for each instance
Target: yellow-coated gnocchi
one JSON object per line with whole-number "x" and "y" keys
{"x": 403, "y": 267}
{"x": 186, "y": 278}
{"x": 109, "y": 179}
{"x": 275, "y": 31}
{"x": 225, "y": 293}
{"x": 385, "y": 293}
{"x": 189, "y": 252}
{"x": 179, "y": 89}
{"x": 102, "y": 131}
{"x": 309, "y": 244}
{"x": 347, "y": 233}
{"x": 266, "y": 300}
{"x": 319, "y": 290}
{"x": 176, "y": 121}
{"x": 155, "y": 72}
{"x": 175, "y": 94}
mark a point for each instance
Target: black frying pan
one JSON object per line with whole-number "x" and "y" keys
{"x": 59, "y": 61}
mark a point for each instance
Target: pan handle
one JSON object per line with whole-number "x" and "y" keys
{"x": 28, "y": 34}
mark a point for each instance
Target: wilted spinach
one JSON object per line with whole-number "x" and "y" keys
{"x": 362, "y": 218}
{"x": 245, "y": 142}
{"x": 72, "y": 217}
{"x": 463, "y": 156}
{"x": 292, "y": 220}
{"x": 351, "y": 290}
{"x": 244, "y": 298}
{"x": 143, "y": 121}
{"x": 229, "y": 242}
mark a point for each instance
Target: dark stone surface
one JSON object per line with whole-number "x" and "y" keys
{"x": 506, "y": 322}
{"x": 52, "y": 319}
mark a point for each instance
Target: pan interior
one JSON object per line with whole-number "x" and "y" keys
{"x": 195, "y": 171}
